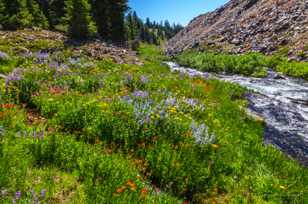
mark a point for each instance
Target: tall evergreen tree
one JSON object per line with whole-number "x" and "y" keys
{"x": 117, "y": 14}
{"x": 2, "y": 10}
{"x": 16, "y": 14}
{"x": 101, "y": 14}
{"x": 54, "y": 10}
{"x": 38, "y": 17}
{"x": 79, "y": 18}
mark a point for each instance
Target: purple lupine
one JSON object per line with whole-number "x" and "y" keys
{"x": 43, "y": 193}
{"x": 201, "y": 133}
{"x": 54, "y": 65}
{"x": 17, "y": 195}
{"x": 4, "y": 56}
{"x": 41, "y": 135}
{"x": 127, "y": 99}
{"x": 34, "y": 134}
{"x": 141, "y": 94}
{"x": 144, "y": 79}
{"x": 142, "y": 112}
{"x": 129, "y": 79}
{"x": 64, "y": 66}
{"x": 42, "y": 57}
{"x": 170, "y": 101}
{"x": 15, "y": 75}
{"x": 191, "y": 102}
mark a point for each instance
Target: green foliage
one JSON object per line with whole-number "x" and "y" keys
{"x": 250, "y": 64}
{"x": 16, "y": 14}
{"x": 79, "y": 18}
{"x": 109, "y": 18}
{"x": 116, "y": 133}
{"x": 148, "y": 32}
{"x": 39, "y": 19}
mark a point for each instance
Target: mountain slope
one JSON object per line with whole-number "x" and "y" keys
{"x": 249, "y": 25}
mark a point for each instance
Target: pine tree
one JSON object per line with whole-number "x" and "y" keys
{"x": 54, "y": 11}
{"x": 79, "y": 18}
{"x": 16, "y": 14}
{"x": 2, "y": 10}
{"x": 101, "y": 14}
{"x": 39, "y": 19}
{"x": 117, "y": 14}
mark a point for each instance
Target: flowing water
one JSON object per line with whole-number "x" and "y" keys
{"x": 281, "y": 101}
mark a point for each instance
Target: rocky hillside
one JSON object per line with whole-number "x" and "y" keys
{"x": 249, "y": 25}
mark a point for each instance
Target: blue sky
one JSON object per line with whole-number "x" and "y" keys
{"x": 176, "y": 11}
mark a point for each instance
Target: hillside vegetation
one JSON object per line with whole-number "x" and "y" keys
{"x": 248, "y": 64}
{"x": 78, "y": 129}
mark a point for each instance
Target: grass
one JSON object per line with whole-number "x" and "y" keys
{"x": 99, "y": 132}
{"x": 249, "y": 64}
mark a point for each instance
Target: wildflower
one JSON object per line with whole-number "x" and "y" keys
{"x": 42, "y": 57}
{"x": 64, "y": 66}
{"x": 43, "y": 193}
{"x": 121, "y": 189}
{"x": 132, "y": 185}
{"x": 201, "y": 133}
{"x": 17, "y": 195}
{"x": 215, "y": 146}
{"x": 4, "y": 56}
{"x": 170, "y": 101}
{"x": 173, "y": 110}
{"x": 54, "y": 65}
{"x": 127, "y": 99}
{"x": 144, "y": 79}
{"x": 14, "y": 76}
{"x": 8, "y": 106}
{"x": 129, "y": 79}
{"x": 141, "y": 94}
{"x": 144, "y": 192}
{"x": 191, "y": 102}
{"x": 34, "y": 134}
{"x": 41, "y": 135}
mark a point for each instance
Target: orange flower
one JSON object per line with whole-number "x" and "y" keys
{"x": 7, "y": 106}
{"x": 56, "y": 90}
{"x": 144, "y": 192}
{"x": 132, "y": 185}
{"x": 207, "y": 88}
{"x": 1, "y": 115}
{"x": 121, "y": 189}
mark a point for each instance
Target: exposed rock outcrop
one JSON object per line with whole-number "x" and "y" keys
{"x": 249, "y": 25}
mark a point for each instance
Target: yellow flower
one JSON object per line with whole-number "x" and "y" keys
{"x": 215, "y": 146}
{"x": 173, "y": 110}
{"x": 103, "y": 105}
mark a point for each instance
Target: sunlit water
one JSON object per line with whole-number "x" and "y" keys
{"x": 281, "y": 101}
